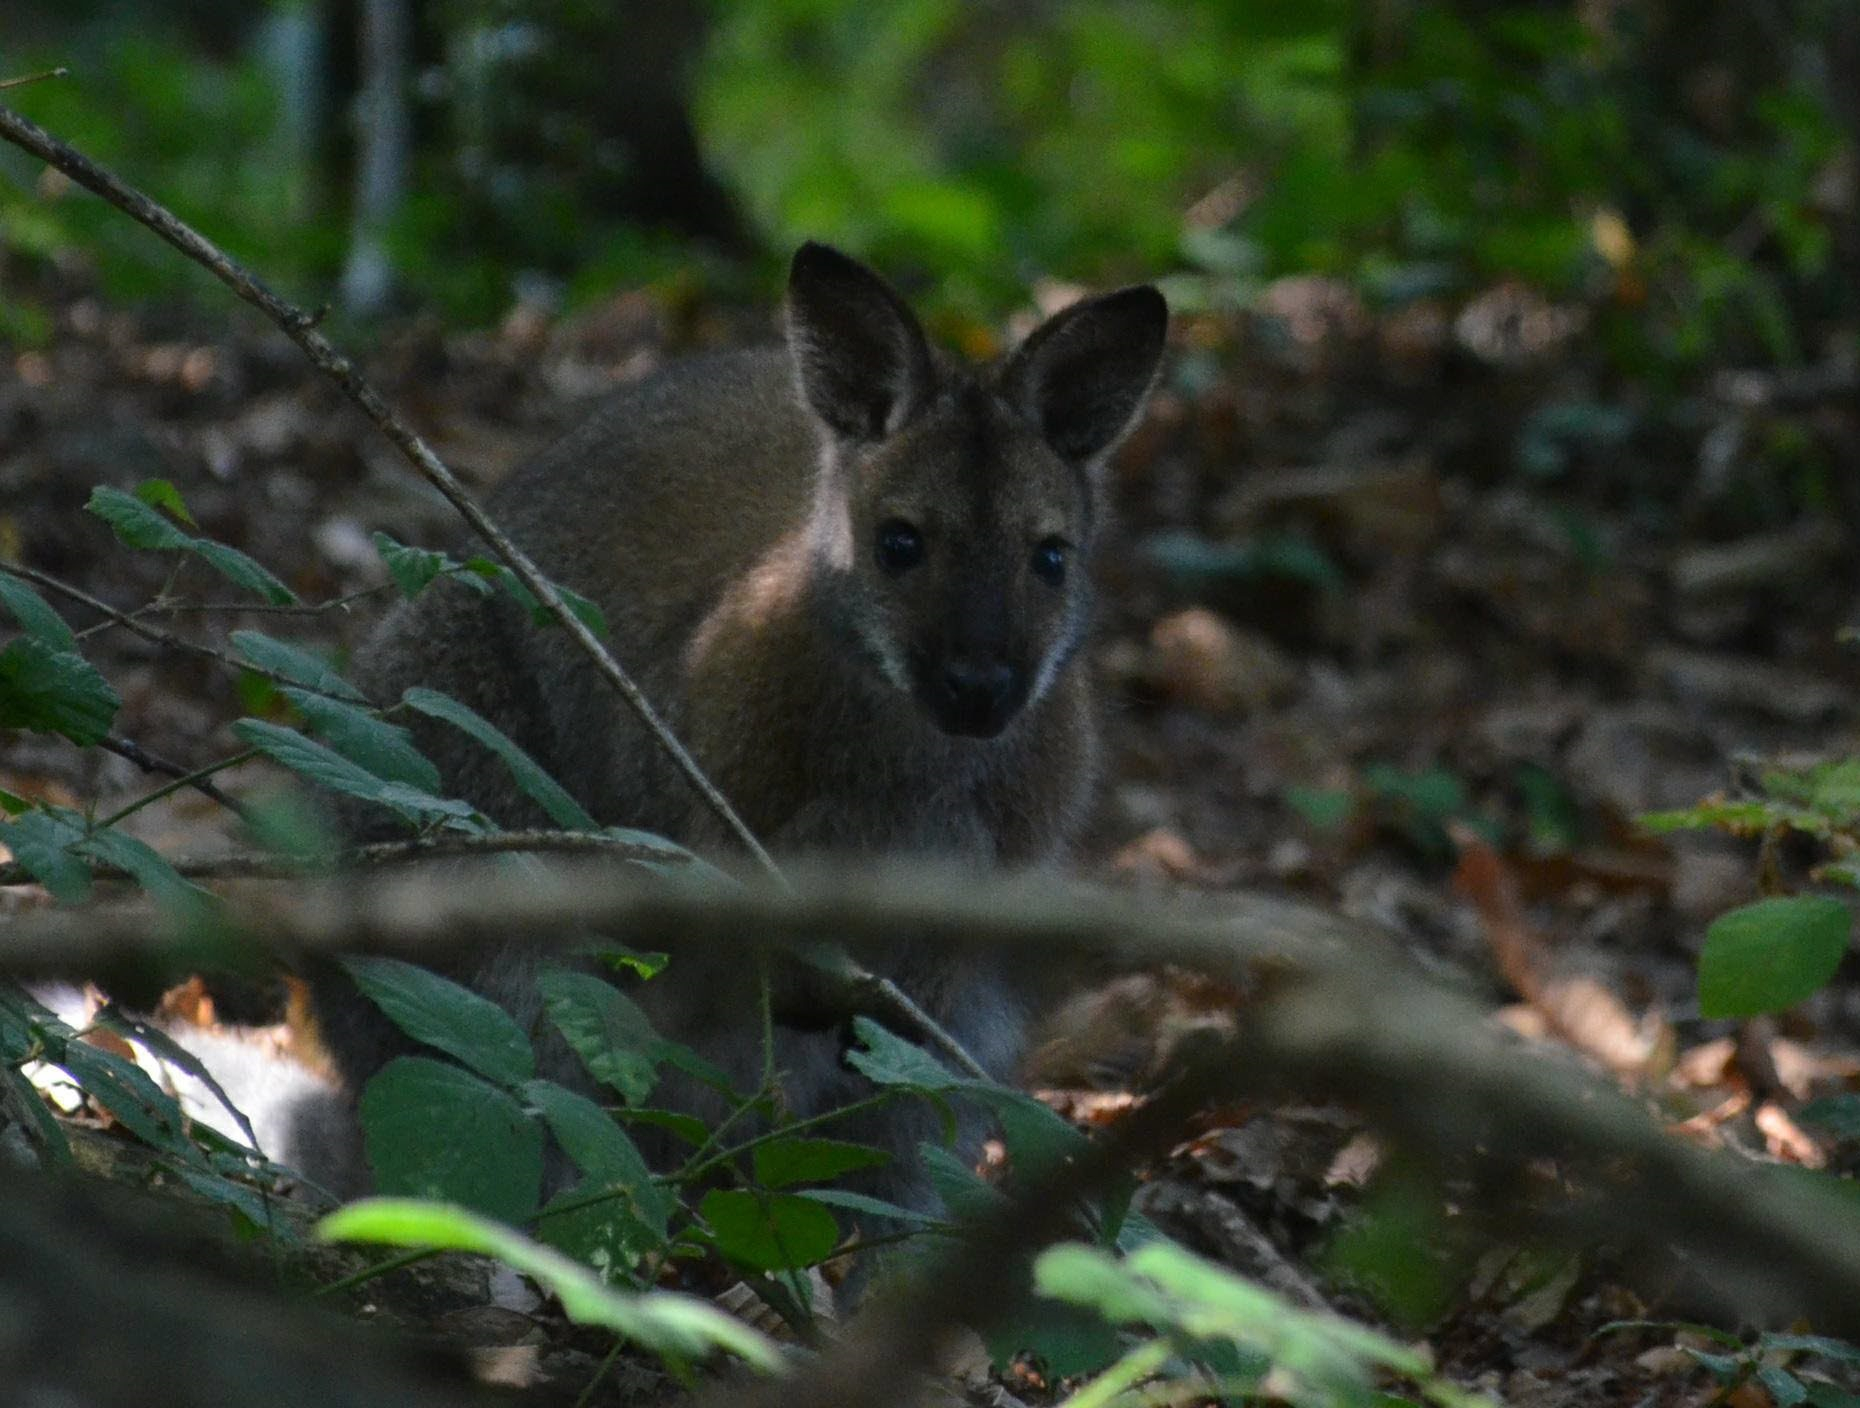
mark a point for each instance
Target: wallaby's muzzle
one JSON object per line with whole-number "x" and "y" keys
{"x": 974, "y": 698}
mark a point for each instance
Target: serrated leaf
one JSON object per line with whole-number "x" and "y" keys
{"x": 125, "y": 1090}
{"x": 413, "y": 569}
{"x": 601, "y": 1149}
{"x": 583, "y": 610}
{"x": 243, "y": 570}
{"x": 435, "y": 1130}
{"x": 325, "y": 767}
{"x": 29, "y": 1107}
{"x": 447, "y": 1016}
{"x": 1771, "y": 955}
{"x": 384, "y": 749}
{"x": 1036, "y": 1137}
{"x": 150, "y": 869}
{"x": 136, "y": 524}
{"x": 41, "y": 841}
{"x": 769, "y": 1232}
{"x": 161, "y": 493}
{"x": 675, "y": 1325}
{"x": 35, "y": 616}
{"x": 139, "y": 525}
{"x": 54, "y": 691}
{"x": 780, "y": 1163}
{"x": 872, "y": 1207}
{"x": 529, "y": 775}
{"x": 890, "y": 1060}
{"x": 295, "y": 664}
{"x": 607, "y": 1030}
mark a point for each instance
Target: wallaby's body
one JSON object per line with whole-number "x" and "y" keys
{"x": 851, "y": 577}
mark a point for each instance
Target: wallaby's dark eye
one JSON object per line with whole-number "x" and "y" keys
{"x": 900, "y": 546}
{"x": 1049, "y": 561}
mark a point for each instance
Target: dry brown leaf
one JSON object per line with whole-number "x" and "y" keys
{"x": 1786, "y": 1140}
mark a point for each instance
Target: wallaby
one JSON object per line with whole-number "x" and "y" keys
{"x": 851, "y": 574}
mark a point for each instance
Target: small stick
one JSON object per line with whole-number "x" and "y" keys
{"x": 300, "y": 327}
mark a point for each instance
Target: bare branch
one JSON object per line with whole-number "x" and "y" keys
{"x": 1346, "y": 1015}
{"x": 300, "y": 327}
{"x": 130, "y": 750}
{"x": 155, "y": 635}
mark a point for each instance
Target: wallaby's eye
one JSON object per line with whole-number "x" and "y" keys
{"x": 1049, "y": 561}
{"x": 900, "y": 546}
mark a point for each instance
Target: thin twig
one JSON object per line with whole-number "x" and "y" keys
{"x": 155, "y": 635}
{"x": 201, "y": 782}
{"x": 175, "y": 784}
{"x": 300, "y": 327}
{"x": 261, "y": 865}
{"x": 267, "y": 608}
{"x": 24, "y": 79}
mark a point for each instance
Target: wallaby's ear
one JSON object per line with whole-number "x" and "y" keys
{"x": 859, "y": 354}
{"x": 1085, "y": 373}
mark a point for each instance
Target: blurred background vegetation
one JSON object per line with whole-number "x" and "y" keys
{"x": 1685, "y": 169}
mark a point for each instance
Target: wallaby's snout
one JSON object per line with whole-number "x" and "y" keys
{"x": 976, "y": 697}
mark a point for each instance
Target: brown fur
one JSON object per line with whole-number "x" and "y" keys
{"x": 727, "y": 516}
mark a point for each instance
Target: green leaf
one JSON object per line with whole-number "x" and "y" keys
{"x": 414, "y": 569}
{"x": 41, "y": 841}
{"x": 966, "y": 1195}
{"x": 150, "y": 869}
{"x": 34, "y": 615}
{"x": 770, "y": 1232}
{"x": 584, "y": 610}
{"x": 48, "y": 1136}
{"x": 434, "y": 1130}
{"x": 606, "y": 1029}
{"x": 161, "y": 493}
{"x": 447, "y": 1016}
{"x": 891, "y": 1060}
{"x": 243, "y": 571}
{"x": 295, "y": 664}
{"x": 139, "y": 525}
{"x": 602, "y": 1150}
{"x": 676, "y": 1325}
{"x": 872, "y": 1207}
{"x": 54, "y": 691}
{"x": 126, "y": 1091}
{"x": 366, "y": 739}
{"x": 327, "y": 768}
{"x": 781, "y": 1163}
{"x": 1036, "y": 1138}
{"x": 627, "y": 1222}
{"x": 537, "y": 785}
{"x": 135, "y": 523}
{"x": 1771, "y": 955}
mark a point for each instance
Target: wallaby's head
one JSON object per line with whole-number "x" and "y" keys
{"x": 957, "y": 506}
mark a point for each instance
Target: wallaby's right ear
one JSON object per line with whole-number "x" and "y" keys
{"x": 859, "y": 354}
{"x": 1085, "y": 373}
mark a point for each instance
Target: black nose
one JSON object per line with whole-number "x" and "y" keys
{"x": 976, "y": 697}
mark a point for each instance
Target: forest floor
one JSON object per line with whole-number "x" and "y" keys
{"x": 1409, "y": 613}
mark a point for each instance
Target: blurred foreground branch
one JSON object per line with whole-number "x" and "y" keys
{"x": 1342, "y": 1016}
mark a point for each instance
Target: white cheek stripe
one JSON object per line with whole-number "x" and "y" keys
{"x": 885, "y": 650}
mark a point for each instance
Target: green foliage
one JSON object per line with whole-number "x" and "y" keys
{"x": 677, "y": 1327}
{"x": 1777, "y": 952}
{"x": 1787, "y": 1369}
{"x": 1191, "y": 1310}
{"x": 1771, "y": 955}
{"x": 138, "y": 523}
{"x": 33, "y": 1039}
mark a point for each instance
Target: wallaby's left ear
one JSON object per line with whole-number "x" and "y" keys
{"x": 1085, "y": 373}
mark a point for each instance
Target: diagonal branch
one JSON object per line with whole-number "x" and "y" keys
{"x": 300, "y": 327}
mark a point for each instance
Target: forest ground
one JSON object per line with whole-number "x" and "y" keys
{"x": 1407, "y": 612}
